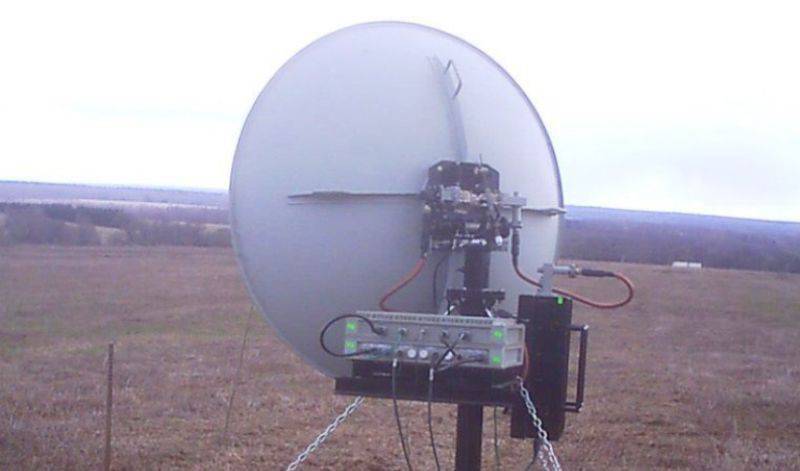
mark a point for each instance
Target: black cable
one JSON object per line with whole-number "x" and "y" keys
{"x": 430, "y": 419}
{"x": 436, "y": 277}
{"x": 338, "y": 318}
{"x": 530, "y": 465}
{"x": 435, "y": 363}
{"x": 536, "y": 446}
{"x": 397, "y": 415}
{"x": 450, "y": 349}
{"x": 496, "y": 444}
{"x": 435, "y": 366}
{"x": 477, "y": 359}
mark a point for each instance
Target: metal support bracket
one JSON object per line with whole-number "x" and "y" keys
{"x": 452, "y": 66}
{"x": 575, "y": 406}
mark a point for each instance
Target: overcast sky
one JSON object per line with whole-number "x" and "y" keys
{"x": 691, "y": 107}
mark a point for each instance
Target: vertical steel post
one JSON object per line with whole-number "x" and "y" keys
{"x": 469, "y": 425}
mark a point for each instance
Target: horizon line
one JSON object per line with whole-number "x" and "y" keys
{"x": 225, "y": 191}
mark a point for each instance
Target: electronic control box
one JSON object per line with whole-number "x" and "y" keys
{"x": 477, "y": 342}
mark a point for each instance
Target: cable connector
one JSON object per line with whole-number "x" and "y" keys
{"x": 548, "y": 271}
{"x": 595, "y": 273}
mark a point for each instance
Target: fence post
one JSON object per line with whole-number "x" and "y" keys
{"x": 109, "y": 401}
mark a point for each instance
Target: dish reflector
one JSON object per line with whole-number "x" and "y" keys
{"x": 324, "y": 212}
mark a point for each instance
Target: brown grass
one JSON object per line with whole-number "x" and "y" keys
{"x": 702, "y": 371}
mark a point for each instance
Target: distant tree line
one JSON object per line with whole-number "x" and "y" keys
{"x": 602, "y": 239}
{"x": 68, "y": 224}
{"x": 31, "y": 224}
{"x": 640, "y": 242}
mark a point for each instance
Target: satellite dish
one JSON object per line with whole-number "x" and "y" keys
{"x": 325, "y": 212}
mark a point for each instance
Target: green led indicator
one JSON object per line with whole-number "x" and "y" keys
{"x": 496, "y": 360}
{"x": 560, "y": 300}
{"x": 498, "y": 334}
{"x": 350, "y": 345}
{"x": 351, "y": 326}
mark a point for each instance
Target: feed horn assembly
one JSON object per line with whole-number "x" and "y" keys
{"x": 391, "y": 186}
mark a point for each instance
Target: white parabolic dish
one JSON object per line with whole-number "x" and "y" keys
{"x": 351, "y": 124}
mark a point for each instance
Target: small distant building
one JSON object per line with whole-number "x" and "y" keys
{"x": 690, "y": 265}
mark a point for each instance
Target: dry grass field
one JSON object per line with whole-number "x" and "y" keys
{"x": 701, "y": 371}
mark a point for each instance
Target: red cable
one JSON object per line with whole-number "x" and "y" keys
{"x": 402, "y": 283}
{"x": 628, "y": 284}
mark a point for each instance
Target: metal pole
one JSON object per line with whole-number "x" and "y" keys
{"x": 469, "y": 425}
{"x": 469, "y": 437}
{"x": 237, "y": 376}
{"x": 109, "y": 402}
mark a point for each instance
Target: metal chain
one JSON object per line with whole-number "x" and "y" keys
{"x": 311, "y": 448}
{"x": 550, "y": 460}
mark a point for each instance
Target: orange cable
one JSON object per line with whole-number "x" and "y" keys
{"x": 599, "y": 305}
{"x": 402, "y": 283}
